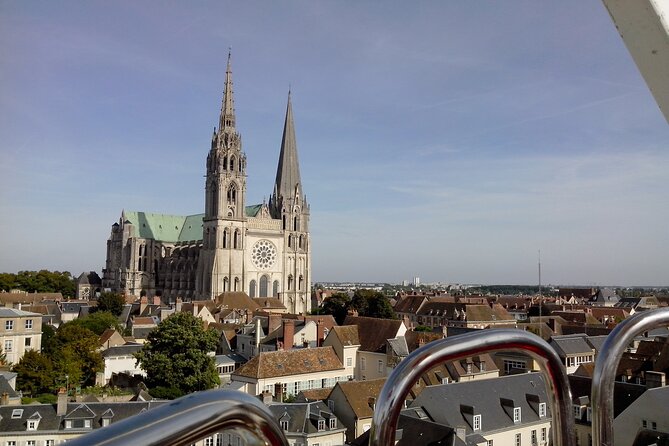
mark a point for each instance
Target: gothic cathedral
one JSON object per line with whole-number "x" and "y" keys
{"x": 263, "y": 250}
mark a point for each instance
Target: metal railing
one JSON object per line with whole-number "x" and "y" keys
{"x": 193, "y": 417}
{"x": 407, "y": 373}
{"x": 606, "y": 366}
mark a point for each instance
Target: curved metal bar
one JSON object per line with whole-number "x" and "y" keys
{"x": 190, "y": 418}
{"x": 606, "y": 366}
{"x": 400, "y": 381}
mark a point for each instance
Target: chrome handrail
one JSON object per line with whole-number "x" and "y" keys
{"x": 190, "y": 418}
{"x": 606, "y": 366}
{"x": 406, "y": 374}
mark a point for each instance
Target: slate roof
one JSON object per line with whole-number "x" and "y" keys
{"x": 571, "y": 345}
{"x": 647, "y": 437}
{"x": 373, "y": 333}
{"x": 13, "y": 312}
{"x": 89, "y": 278}
{"x": 290, "y": 362}
{"x": 358, "y": 393}
{"x": 6, "y": 388}
{"x": 303, "y": 417}
{"x": 485, "y": 397}
{"x": 624, "y": 394}
{"x": 122, "y": 350}
{"x": 50, "y": 422}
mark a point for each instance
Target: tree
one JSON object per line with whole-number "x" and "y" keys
{"x": 98, "y": 322}
{"x": 372, "y": 303}
{"x": 3, "y": 356}
{"x": 176, "y": 355}
{"x": 336, "y": 305}
{"x": 34, "y": 373}
{"x": 74, "y": 353}
{"x": 111, "y": 302}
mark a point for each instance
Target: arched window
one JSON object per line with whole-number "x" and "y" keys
{"x": 301, "y": 245}
{"x": 252, "y": 289}
{"x": 236, "y": 284}
{"x": 225, "y": 238}
{"x": 235, "y": 239}
{"x": 290, "y": 241}
{"x": 290, "y": 282}
{"x": 263, "y": 286}
{"x": 214, "y": 200}
{"x": 226, "y": 286}
{"x": 275, "y": 289}
{"x": 225, "y": 163}
{"x": 232, "y": 194}
{"x": 296, "y": 223}
{"x": 232, "y": 163}
{"x": 300, "y": 284}
{"x": 284, "y": 222}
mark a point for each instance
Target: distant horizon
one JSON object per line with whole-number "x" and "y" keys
{"x": 451, "y": 138}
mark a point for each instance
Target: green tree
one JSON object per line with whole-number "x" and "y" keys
{"x": 111, "y": 302}
{"x": 73, "y": 351}
{"x": 336, "y": 305}
{"x": 35, "y": 373}
{"x": 98, "y": 322}
{"x": 176, "y": 355}
{"x": 372, "y": 303}
{"x": 3, "y": 357}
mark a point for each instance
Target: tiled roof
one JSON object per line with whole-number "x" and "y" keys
{"x": 358, "y": 393}
{"x": 347, "y": 334}
{"x": 290, "y": 362}
{"x": 236, "y": 300}
{"x": 409, "y": 304}
{"x": 373, "y": 333}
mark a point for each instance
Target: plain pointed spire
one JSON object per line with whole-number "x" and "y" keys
{"x": 288, "y": 173}
{"x": 227, "y": 121}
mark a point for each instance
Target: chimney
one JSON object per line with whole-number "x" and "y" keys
{"x": 195, "y": 309}
{"x": 320, "y": 333}
{"x": 288, "y": 333}
{"x": 460, "y": 432}
{"x": 266, "y": 397}
{"x": 4, "y": 400}
{"x": 179, "y": 302}
{"x": 371, "y": 402}
{"x": 258, "y": 334}
{"x": 61, "y": 407}
{"x": 278, "y": 392}
{"x": 274, "y": 322}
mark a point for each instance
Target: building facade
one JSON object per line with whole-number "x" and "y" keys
{"x": 20, "y": 331}
{"x": 262, "y": 249}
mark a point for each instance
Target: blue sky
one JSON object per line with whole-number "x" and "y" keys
{"x": 446, "y": 140}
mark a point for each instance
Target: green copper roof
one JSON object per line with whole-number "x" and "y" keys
{"x": 166, "y": 228}
{"x": 173, "y": 228}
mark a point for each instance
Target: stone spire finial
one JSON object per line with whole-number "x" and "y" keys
{"x": 288, "y": 183}
{"x": 227, "y": 120}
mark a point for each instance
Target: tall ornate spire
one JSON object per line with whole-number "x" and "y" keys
{"x": 227, "y": 121}
{"x": 288, "y": 181}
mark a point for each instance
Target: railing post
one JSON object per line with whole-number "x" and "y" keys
{"x": 606, "y": 367}
{"x": 399, "y": 383}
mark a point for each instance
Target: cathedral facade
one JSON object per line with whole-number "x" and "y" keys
{"x": 261, "y": 249}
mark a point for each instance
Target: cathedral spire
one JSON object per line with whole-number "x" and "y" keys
{"x": 227, "y": 121}
{"x": 288, "y": 181}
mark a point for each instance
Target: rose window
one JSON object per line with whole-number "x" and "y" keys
{"x": 263, "y": 254}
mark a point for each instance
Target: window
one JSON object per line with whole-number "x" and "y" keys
{"x": 252, "y": 289}
{"x": 516, "y": 414}
{"x": 10, "y": 443}
{"x": 380, "y": 366}
{"x": 534, "y": 436}
{"x": 577, "y": 411}
{"x": 106, "y": 422}
{"x": 477, "y": 423}
{"x": 542, "y": 410}
{"x": 30, "y": 443}
{"x": 519, "y": 439}
{"x": 284, "y": 425}
{"x": 653, "y": 425}
{"x": 209, "y": 441}
{"x": 29, "y": 324}
{"x": 543, "y": 434}
{"x": 275, "y": 289}
{"x": 9, "y": 346}
{"x": 349, "y": 362}
{"x": 321, "y": 425}
{"x": 9, "y": 325}
{"x": 333, "y": 423}
{"x": 49, "y": 442}
{"x": 510, "y": 365}
{"x": 264, "y": 283}
{"x": 490, "y": 443}
{"x": 28, "y": 341}
{"x": 17, "y": 413}
{"x": 331, "y": 405}
{"x": 32, "y": 425}
{"x": 363, "y": 362}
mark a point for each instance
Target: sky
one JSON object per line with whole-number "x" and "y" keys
{"x": 447, "y": 140}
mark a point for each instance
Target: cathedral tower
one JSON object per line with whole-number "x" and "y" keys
{"x": 220, "y": 266}
{"x": 289, "y": 204}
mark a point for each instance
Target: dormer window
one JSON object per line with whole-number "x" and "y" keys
{"x": 17, "y": 413}
{"x": 516, "y": 414}
{"x": 542, "y": 410}
{"x": 284, "y": 425}
{"x": 476, "y": 424}
{"x": 333, "y": 423}
{"x": 32, "y": 425}
{"x": 321, "y": 425}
